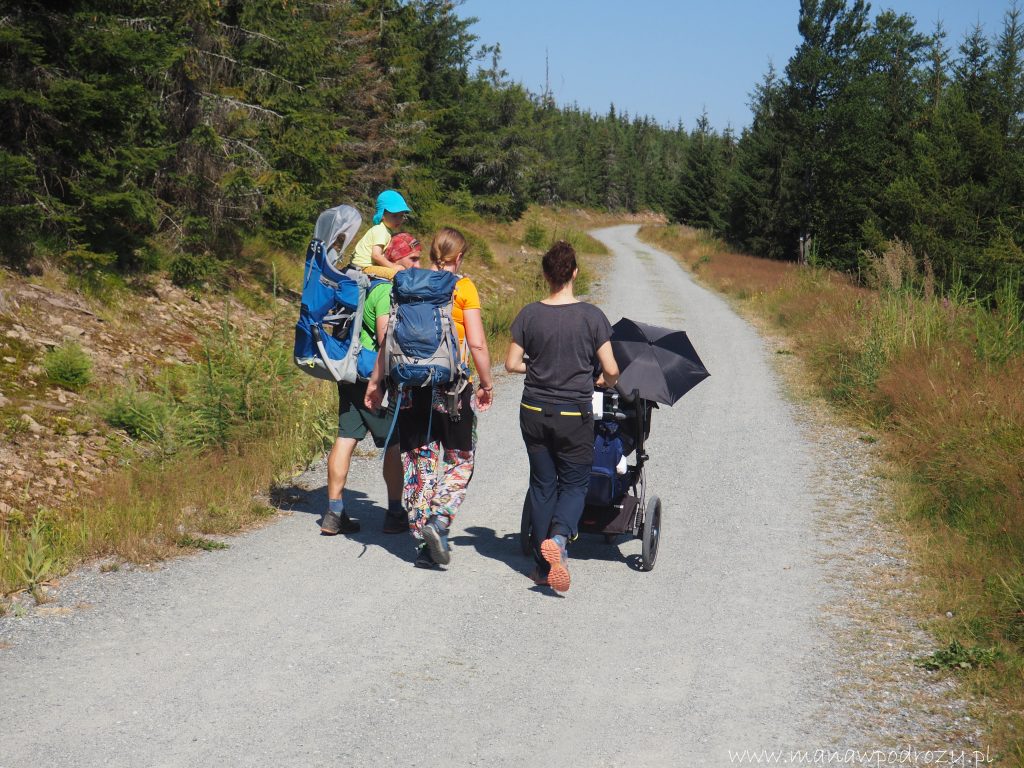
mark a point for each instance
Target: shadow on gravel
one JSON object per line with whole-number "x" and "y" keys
{"x": 506, "y": 549}
{"x": 358, "y": 505}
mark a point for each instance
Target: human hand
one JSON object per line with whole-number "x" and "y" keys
{"x": 374, "y": 396}
{"x": 600, "y": 382}
{"x": 484, "y": 397}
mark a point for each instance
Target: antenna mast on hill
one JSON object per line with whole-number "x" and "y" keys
{"x": 547, "y": 99}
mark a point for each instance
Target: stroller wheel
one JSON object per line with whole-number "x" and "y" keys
{"x": 525, "y": 529}
{"x": 651, "y": 534}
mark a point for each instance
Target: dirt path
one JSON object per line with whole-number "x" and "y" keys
{"x": 292, "y": 649}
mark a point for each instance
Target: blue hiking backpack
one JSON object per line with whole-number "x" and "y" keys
{"x": 422, "y": 347}
{"x": 327, "y": 334}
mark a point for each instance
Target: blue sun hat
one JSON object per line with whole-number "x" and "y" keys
{"x": 390, "y": 201}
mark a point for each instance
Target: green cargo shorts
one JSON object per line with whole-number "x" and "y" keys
{"x": 354, "y": 420}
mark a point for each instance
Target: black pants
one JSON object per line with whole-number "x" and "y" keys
{"x": 559, "y": 441}
{"x": 420, "y": 423}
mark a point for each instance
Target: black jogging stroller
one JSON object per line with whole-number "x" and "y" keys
{"x": 617, "y": 501}
{"x": 658, "y": 365}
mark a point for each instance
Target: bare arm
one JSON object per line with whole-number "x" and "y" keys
{"x": 609, "y": 368}
{"x": 473, "y": 322}
{"x": 375, "y": 386}
{"x": 378, "y": 257}
{"x": 514, "y": 362}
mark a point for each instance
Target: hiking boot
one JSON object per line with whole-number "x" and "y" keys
{"x": 437, "y": 544}
{"x": 424, "y": 560}
{"x": 395, "y": 522}
{"x": 554, "y": 552}
{"x": 333, "y": 524}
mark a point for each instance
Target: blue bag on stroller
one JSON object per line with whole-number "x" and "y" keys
{"x": 327, "y": 333}
{"x": 606, "y": 485}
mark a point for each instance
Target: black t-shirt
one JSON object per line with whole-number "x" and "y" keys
{"x": 561, "y": 341}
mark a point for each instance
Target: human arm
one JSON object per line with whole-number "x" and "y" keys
{"x": 477, "y": 341}
{"x": 514, "y": 360}
{"x": 375, "y": 386}
{"x": 609, "y": 368}
{"x": 378, "y": 258}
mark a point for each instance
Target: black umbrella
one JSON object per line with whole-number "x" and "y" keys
{"x": 659, "y": 362}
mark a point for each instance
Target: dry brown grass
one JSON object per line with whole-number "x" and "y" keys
{"x": 941, "y": 377}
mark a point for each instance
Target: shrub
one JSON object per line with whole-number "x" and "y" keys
{"x": 190, "y": 269}
{"x": 535, "y": 236}
{"x": 68, "y": 366}
{"x": 141, "y": 414}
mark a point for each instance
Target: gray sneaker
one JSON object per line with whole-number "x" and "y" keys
{"x": 333, "y": 524}
{"x": 437, "y": 543}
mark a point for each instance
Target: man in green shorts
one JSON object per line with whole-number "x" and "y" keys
{"x": 354, "y": 420}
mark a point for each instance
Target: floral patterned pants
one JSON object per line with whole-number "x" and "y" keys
{"x": 435, "y": 484}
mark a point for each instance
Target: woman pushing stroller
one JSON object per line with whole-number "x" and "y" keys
{"x": 559, "y": 342}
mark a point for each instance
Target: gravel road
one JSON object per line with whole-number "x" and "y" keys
{"x": 293, "y": 649}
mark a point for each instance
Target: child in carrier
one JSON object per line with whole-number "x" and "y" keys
{"x": 370, "y": 254}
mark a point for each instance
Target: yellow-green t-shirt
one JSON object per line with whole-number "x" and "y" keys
{"x": 378, "y": 234}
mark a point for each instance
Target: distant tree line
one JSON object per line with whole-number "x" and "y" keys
{"x": 876, "y": 131}
{"x": 130, "y": 129}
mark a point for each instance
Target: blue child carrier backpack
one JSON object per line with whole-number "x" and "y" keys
{"x": 327, "y": 333}
{"x": 422, "y": 346}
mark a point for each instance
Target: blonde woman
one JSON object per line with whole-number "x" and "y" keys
{"x": 438, "y": 447}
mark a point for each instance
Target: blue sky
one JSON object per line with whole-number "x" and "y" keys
{"x": 673, "y": 58}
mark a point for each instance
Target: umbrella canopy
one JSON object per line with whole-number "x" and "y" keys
{"x": 658, "y": 362}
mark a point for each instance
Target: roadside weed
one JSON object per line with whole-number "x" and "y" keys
{"x": 957, "y": 657}
{"x": 187, "y": 541}
{"x": 37, "y": 560}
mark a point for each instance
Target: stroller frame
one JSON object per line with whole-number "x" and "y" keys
{"x": 632, "y": 512}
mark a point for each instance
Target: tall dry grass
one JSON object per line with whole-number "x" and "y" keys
{"x": 942, "y": 377}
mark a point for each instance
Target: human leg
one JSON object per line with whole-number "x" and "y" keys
{"x": 419, "y": 472}
{"x": 541, "y": 495}
{"x": 339, "y": 460}
{"x": 381, "y": 426}
{"x": 455, "y": 470}
{"x": 573, "y": 440}
{"x": 395, "y": 521}
{"x": 573, "y": 480}
{"x": 350, "y": 431}
{"x": 455, "y": 464}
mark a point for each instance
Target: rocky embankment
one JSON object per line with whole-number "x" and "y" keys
{"x": 54, "y": 443}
